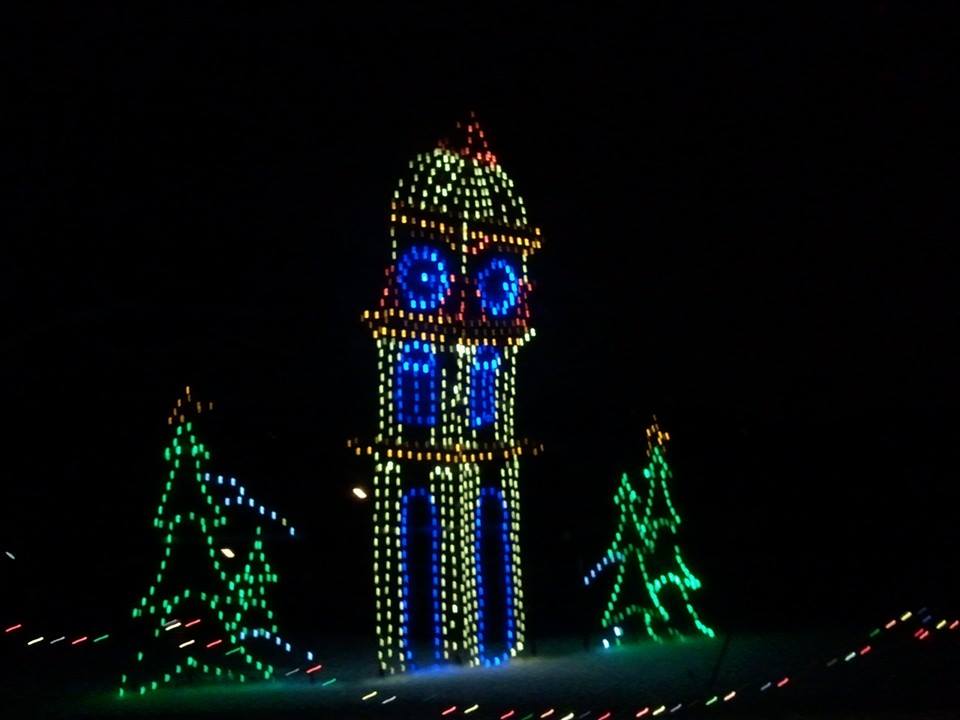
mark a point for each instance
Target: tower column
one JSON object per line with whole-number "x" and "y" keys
{"x": 448, "y": 325}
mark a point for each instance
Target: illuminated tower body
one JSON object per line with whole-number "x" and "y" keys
{"x": 450, "y": 321}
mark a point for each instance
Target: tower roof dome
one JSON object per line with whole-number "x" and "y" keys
{"x": 461, "y": 180}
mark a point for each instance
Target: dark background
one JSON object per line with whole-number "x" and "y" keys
{"x": 749, "y": 229}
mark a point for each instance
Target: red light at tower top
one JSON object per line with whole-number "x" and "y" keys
{"x": 469, "y": 141}
{"x": 448, "y": 326}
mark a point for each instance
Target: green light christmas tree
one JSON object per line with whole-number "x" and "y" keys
{"x": 206, "y": 613}
{"x": 644, "y": 548}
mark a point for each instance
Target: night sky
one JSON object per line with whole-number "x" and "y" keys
{"x": 749, "y": 229}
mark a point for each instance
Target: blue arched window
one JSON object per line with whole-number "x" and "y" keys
{"x": 415, "y": 396}
{"x": 408, "y": 560}
{"x": 483, "y": 386}
{"x": 489, "y": 636}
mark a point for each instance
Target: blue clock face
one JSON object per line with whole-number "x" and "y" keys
{"x": 423, "y": 276}
{"x": 499, "y": 287}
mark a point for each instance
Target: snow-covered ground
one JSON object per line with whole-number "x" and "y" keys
{"x": 808, "y": 675}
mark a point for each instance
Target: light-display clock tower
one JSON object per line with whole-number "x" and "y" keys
{"x": 448, "y": 326}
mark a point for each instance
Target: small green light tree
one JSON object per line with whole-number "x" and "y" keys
{"x": 646, "y": 525}
{"x": 206, "y": 611}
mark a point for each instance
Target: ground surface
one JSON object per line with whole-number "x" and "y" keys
{"x": 898, "y": 677}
